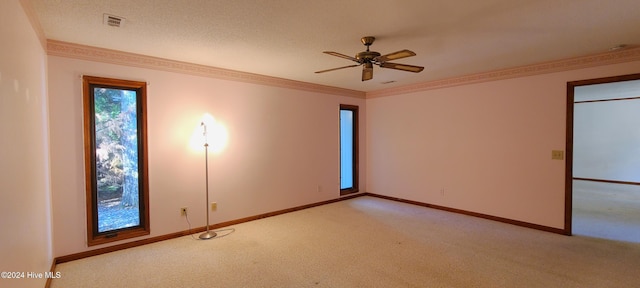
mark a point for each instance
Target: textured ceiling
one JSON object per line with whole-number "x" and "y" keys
{"x": 285, "y": 38}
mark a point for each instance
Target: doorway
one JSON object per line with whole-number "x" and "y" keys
{"x": 603, "y": 158}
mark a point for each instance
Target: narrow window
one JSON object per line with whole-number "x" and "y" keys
{"x": 348, "y": 149}
{"x": 115, "y": 159}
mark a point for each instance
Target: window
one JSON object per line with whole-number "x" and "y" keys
{"x": 348, "y": 149}
{"x": 115, "y": 159}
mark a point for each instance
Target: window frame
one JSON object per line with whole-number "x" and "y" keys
{"x": 93, "y": 236}
{"x": 355, "y": 157}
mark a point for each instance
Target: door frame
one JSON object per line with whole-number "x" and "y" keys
{"x": 568, "y": 202}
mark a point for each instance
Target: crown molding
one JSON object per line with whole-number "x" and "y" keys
{"x": 77, "y": 51}
{"x": 82, "y": 52}
{"x": 600, "y": 59}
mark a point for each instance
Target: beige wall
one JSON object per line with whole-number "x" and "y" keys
{"x": 283, "y": 143}
{"x": 25, "y": 210}
{"x": 487, "y": 145}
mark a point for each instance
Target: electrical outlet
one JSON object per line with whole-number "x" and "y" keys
{"x": 183, "y": 211}
{"x": 214, "y": 206}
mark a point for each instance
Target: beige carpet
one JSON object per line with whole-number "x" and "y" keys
{"x": 606, "y": 210}
{"x": 366, "y": 242}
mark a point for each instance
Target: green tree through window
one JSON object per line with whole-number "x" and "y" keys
{"x": 116, "y": 158}
{"x": 115, "y": 144}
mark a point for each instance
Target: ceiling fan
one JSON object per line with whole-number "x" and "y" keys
{"x": 368, "y": 58}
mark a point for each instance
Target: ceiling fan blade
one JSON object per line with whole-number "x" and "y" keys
{"x": 403, "y": 67}
{"x": 332, "y": 69}
{"x": 340, "y": 55}
{"x": 395, "y": 55}
{"x": 367, "y": 71}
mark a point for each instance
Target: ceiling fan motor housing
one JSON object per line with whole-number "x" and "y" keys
{"x": 367, "y": 56}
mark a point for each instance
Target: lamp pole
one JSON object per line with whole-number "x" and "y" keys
{"x": 209, "y": 234}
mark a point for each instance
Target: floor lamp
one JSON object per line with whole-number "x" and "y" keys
{"x": 209, "y": 234}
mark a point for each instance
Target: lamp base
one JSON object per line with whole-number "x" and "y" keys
{"x": 208, "y": 235}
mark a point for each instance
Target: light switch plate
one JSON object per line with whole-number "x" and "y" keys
{"x": 557, "y": 154}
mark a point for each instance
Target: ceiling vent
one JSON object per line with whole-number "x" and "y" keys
{"x": 112, "y": 20}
